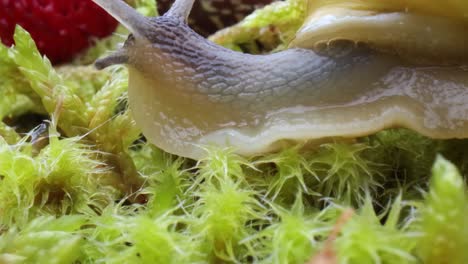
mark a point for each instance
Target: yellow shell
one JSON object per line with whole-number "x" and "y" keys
{"x": 418, "y": 30}
{"x": 454, "y": 9}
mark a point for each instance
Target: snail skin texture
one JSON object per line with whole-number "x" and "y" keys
{"x": 186, "y": 92}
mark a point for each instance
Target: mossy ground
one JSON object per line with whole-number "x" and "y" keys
{"x": 78, "y": 184}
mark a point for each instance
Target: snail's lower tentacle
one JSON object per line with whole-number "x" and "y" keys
{"x": 117, "y": 57}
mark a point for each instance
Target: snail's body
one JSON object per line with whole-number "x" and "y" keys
{"x": 186, "y": 92}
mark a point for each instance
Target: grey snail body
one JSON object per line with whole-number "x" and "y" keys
{"x": 187, "y": 93}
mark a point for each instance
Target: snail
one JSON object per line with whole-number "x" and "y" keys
{"x": 423, "y": 31}
{"x": 187, "y": 93}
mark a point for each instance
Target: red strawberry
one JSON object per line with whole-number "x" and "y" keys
{"x": 61, "y": 28}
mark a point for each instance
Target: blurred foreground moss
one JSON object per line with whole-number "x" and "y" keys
{"x": 83, "y": 186}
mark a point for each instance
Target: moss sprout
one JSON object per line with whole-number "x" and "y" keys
{"x": 444, "y": 217}
{"x": 291, "y": 171}
{"x": 226, "y": 213}
{"x": 292, "y": 236}
{"x": 344, "y": 173}
{"x": 365, "y": 239}
{"x": 43, "y": 240}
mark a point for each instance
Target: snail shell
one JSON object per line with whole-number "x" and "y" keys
{"x": 419, "y": 31}
{"x": 186, "y": 92}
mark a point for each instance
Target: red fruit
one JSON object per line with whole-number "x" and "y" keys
{"x": 60, "y": 28}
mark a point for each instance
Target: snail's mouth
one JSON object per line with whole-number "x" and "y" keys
{"x": 118, "y": 57}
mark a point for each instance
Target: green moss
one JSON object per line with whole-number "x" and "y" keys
{"x": 444, "y": 217}
{"x": 43, "y": 240}
{"x": 344, "y": 173}
{"x": 62, "y": 178}
{"x": 291, "y": 173}
{"x": 292, "y": 236}
{"x": 365, "y": 239}
{"x": 120, "y": 238}
{"x": 166, "y": 179}
{"x": 225, "y": 214}
{"x": 18, "y": 170}
{"x": 274, "y": 26}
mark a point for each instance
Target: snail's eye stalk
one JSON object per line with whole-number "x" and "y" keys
{"x": 126, "y": 15}
{"x": 180, "y": 9}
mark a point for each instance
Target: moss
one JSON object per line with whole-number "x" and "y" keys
{"x": 273, "y": 26}
{"x": 292, "y": 235}
{"x": 369, "y": 238}
{"x": 444, "y": 217}
{"x": 43, "y": 240}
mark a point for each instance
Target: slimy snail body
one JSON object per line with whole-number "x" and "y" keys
{"x": 186, "y": 92}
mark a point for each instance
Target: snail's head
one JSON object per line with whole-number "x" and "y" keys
{"x": 143, "y": 30}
